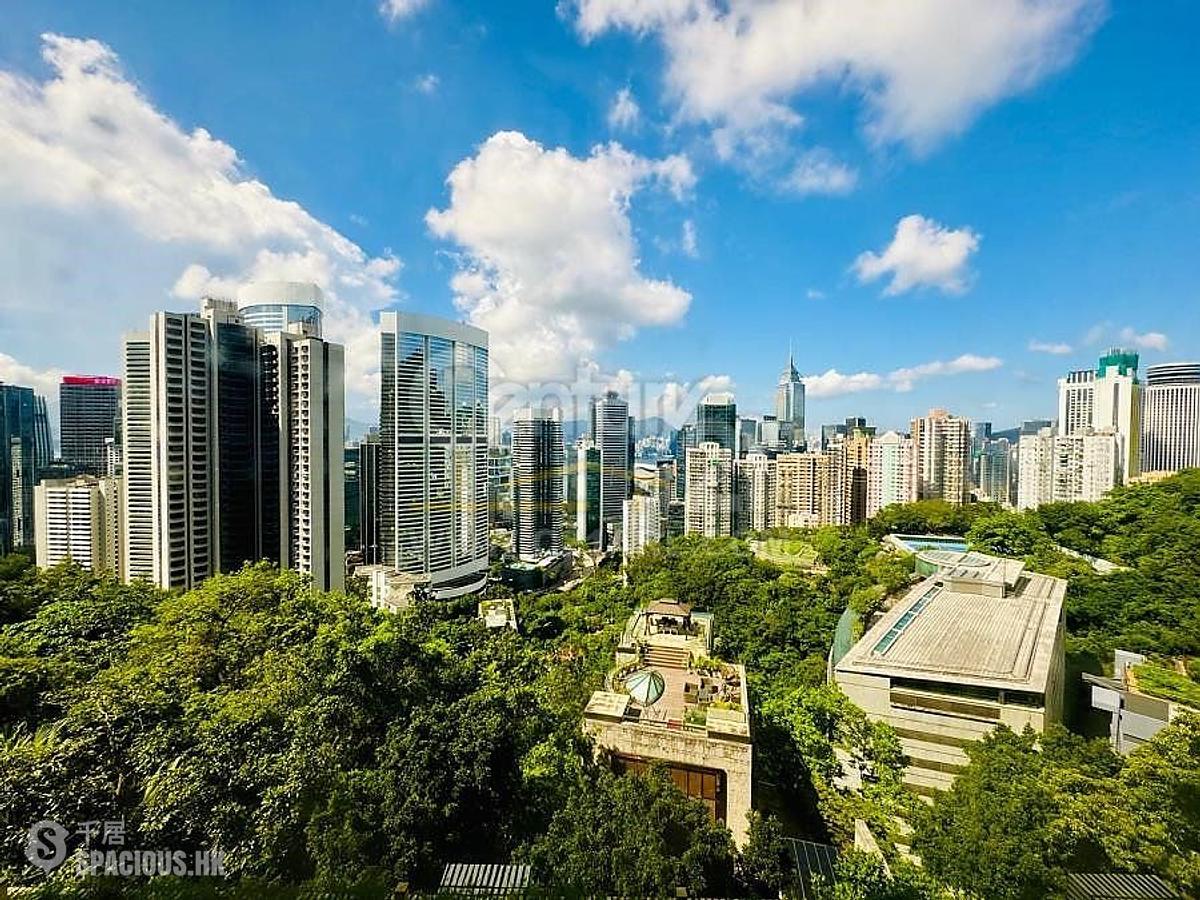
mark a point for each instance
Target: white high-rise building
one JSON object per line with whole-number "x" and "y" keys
{"x": 753, "y": 493}
{"x": 537, "y": 483}
{"x": 942, "y": 457}
{"x": 79, "y": 519}
{"x": 610, "y": 432}
{"x": 1171, "y": 418}
{"x": 708, "y": 494}
{"x": 890, "y": 473}
{"x": 1067, "y": 468}
{"x": 233, "y": 449}
{"x": 1105, "y": 399}
{"x": 434, "y": 457}
{"x": 641, "y": 525}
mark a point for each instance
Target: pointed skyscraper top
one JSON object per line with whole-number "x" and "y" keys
{"x": 789, "y": 375}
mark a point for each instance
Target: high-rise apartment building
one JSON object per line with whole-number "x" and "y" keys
{"x": 79, "y": 520}
{"x": 753, "y": 493}
{"x": 852, "y": 458}
{"x": 805, "y": 486}
{"x": 1170, "y": 418}
{"x": 233, "y": 449}
{"x": 890, "y": 472}
{"x": 537, "y": 478}
{"x": 587, "y": 492}
{"x": 1065, "y": 468}
{"x": 993, "y": 475}
{"x": 369, "y": 452}
{"x": 611, "y": 434}
{"x": 21, "y": 461}
{"x": 717, "y": 421}
{"x": 942, "y": 457}
{"x": 434, "y": 455}
{"x": 89, "y": 409}
{"x": 1105, "y": 399}
{"x": 709, "y": 494}
{"x": 642, "y": 524}
{"x": 789, "y": 407}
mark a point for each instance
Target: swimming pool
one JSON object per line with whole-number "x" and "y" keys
{"x": 914, "y": 542}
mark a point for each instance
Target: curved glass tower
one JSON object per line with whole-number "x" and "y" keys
{"x": 274, "y": 305}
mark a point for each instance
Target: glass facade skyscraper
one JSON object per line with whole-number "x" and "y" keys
{"x": 274, "y": 305}
{"x": 88, "y": 410}
{"x": 433, "y": 457}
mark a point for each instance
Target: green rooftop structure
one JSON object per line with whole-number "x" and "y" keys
{"x": 1124, "y": 361}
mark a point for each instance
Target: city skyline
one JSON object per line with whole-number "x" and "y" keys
{"x": 716, "y": 266}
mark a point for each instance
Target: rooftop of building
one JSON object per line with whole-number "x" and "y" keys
{"x": 665, "y": 677}
{"x": 988, "y": 624}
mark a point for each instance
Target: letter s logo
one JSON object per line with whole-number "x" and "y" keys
{"x": 46, "y": 845}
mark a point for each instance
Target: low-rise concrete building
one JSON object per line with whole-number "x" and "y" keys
{"x": 667, "y": 701}
{"x": 976, "y": 644}
{"x": 1135, "y": 706}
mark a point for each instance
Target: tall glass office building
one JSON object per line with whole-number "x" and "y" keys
{"x": 274, "y": 305}
{"x": 433, "y": 425}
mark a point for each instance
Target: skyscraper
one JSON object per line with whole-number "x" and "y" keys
{"x": 587, "y": 492}
{"x": 685, "y": 438}
{"x": 233, "y": 449}
{"x": 804, "y": 489}
{"x": 753, "y": 493}
{"x": 610, "y": 431}
{"x": 1171, "y": 418}
{"x": 537, "y": 474}
{"x": 351, "y": 494}
{"x": 717, "y": 421}
{"x": 21, "y": 456}
{"x": 368, "y": 498}
{"x": 789, "y": 407}
{"x": 890, "y": 473}
{"x": 709, "y": 494}
{"x": 1066, "y": 468}
{"x": 89, "y": 408}
{"x": 994, "y": 481}
{"x": 1108, "y": 397}
{"x": 942, "y": 457}
{"x": 78, "y": 520}
{"x": 434, "y": 443}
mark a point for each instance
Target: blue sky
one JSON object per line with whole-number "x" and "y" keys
{"x": 914, "y": 194}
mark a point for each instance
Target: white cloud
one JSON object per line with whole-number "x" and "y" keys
{"x": 396, "y": 10}
{"x": 687, "y": 240}
{"x": 833, "y": 383}
{"x": 814, "y": 294}
{"x": 624, "y": 112}
{"x": 107, "y": 207}
{"x": 43, "y": 381}
{"x": 549, "y": 264}
{"x": 1057, "y": 348}
{"x": 922, "y": 253}
{"x": 817, "y": 172}
{"x": 427, "y": 83}
{"x": 923, "y": 69}
{"x": 1149, "y": 340}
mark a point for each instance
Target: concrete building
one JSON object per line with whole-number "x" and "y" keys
{"x": 537, "y": 479}
{"x": 390, "y": 590}
{"x": 1107, "y": 398}
{"x": 642, "y": 524}
{"x": 709, "y": 493}
{"x": 587, "y": 492}
{"x": 611, "y": 434}
{"x": 805, "y": 484}
{"x": 1076, "y": 400}
{"x": 434, "y": 451}
{"x": 717, "y": 421}
{"x": 1136, "y": 711}
{"x": 1056, "y": 468}
{"x": 1170, "y": 418}
{"x": 754, "y": 493}
{"x": 942, "y": 457}
{"x": 233, "y": 449}
{"x": 79, "y": 520}
{"x": 89, "y": 411}
{"x": 890, "y": 472}
{"x": 789, "y": 409}
{"x": 852, "y": 458}
{"x": 668, "y": 701}
{"x": 685, "y": 439}
{"x": 976, "y": 644}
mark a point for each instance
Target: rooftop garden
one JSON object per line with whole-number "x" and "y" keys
{"x": 1167, "y": 684}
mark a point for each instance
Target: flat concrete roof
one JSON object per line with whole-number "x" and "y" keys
{"x": 946, "y": 630}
